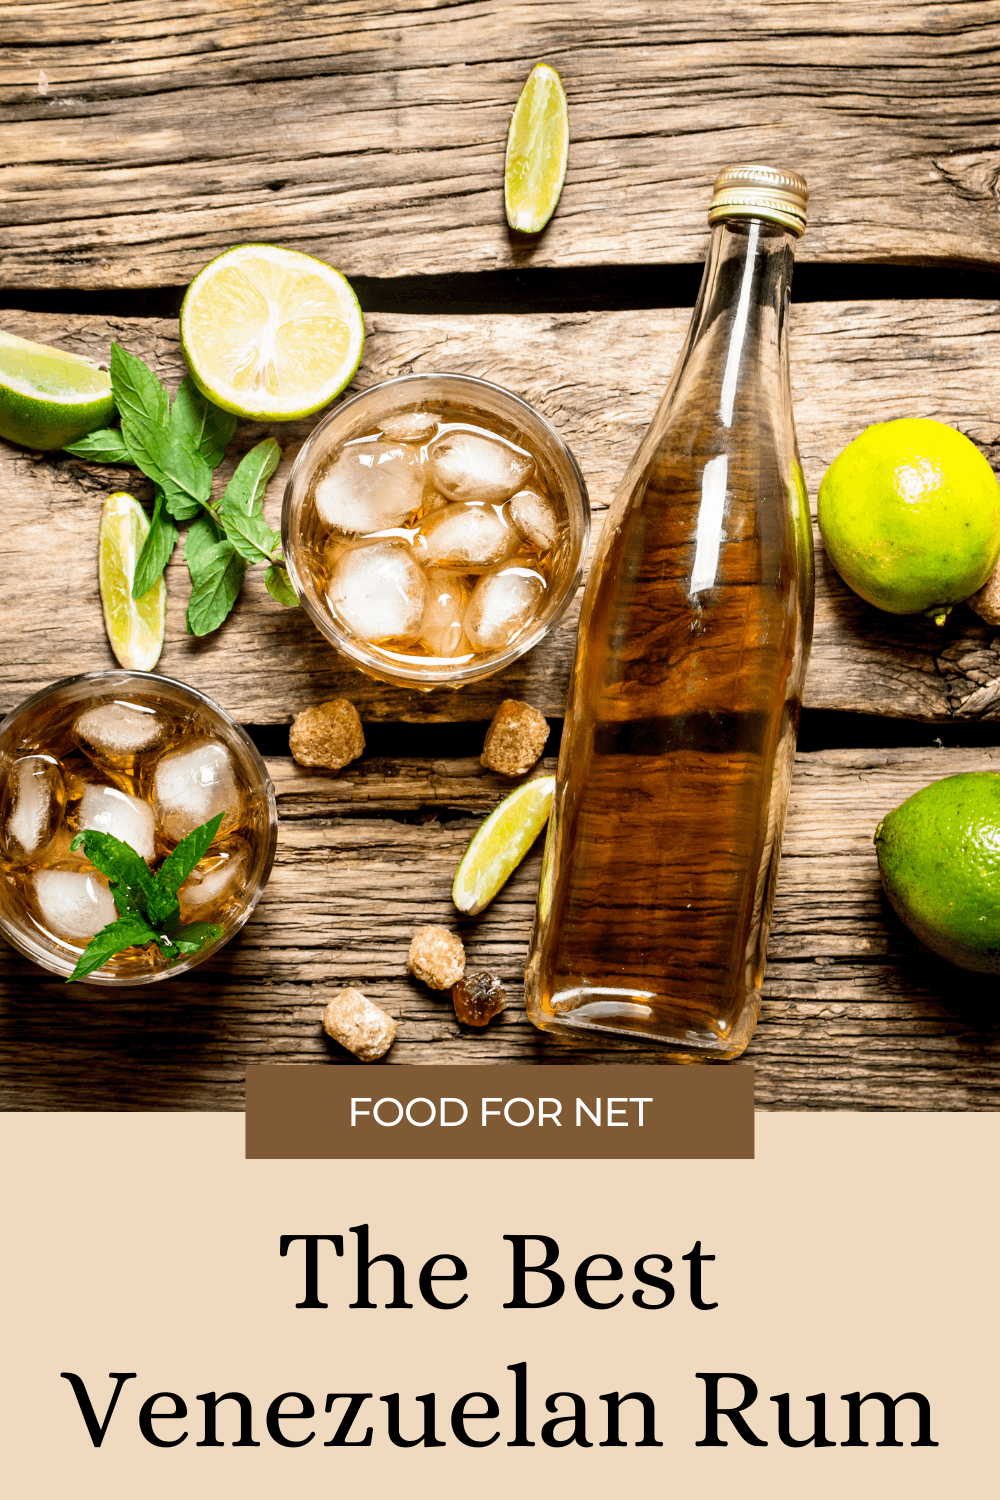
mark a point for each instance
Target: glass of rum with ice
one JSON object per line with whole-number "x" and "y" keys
{"x": 148, "y": 760}
{"x": 435, "y": 527}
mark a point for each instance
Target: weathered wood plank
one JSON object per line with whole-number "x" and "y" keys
{"x": 139, "y": 141}
{"x": 598, "y": 377}
{"x": 856, "y": 1016}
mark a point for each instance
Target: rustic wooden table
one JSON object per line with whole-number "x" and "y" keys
{"x": 141, "y": 143}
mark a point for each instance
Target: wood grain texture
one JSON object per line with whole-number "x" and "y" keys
{"x": 598, "y": 378}
{"x": 856, "y": 1014}
{"x": 139, "y": 140}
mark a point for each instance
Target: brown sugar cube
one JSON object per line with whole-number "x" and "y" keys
{"x": 437, "y": 957}
{"x": 328, "y": 735}
{"x": 478, "y": 997}
{"x": 515, "y": 739}
{"x": 359, "y": 1025}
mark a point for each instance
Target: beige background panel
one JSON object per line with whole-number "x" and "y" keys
{"x": 849, "y": 1255}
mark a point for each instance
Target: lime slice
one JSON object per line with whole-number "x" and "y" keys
{"x": 499, "y": 846}
{"x": 49, "y": 398}
{"x": 271, "y": 334}
{"x": 135, "y": 626}
{"x": 537, "y": 150}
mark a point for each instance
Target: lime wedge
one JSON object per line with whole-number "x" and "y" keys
{"x": 501, "y": 843}
{"x": 49, "y": 398}
{"x": 537, "y": 150}
{"x": 271, "y": 334}
{"x": 135, "y": 626}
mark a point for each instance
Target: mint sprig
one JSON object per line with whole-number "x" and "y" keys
{"x": 177, "y": 446}
{"x": 146, "y": 903}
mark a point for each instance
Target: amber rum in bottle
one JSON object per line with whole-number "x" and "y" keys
{"x": 663, "y": 845}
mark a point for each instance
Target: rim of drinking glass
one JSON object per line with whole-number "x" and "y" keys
{"x": 192, "y": 960}
{"x": 360, "y": 654}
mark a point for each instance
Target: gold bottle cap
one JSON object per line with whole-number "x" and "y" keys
{"x": 764, "y": 192}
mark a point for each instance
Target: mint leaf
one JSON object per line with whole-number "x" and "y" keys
{"x": 206, "y": 427}
{"x": 156, "y": 550}
{"x": 216, "y": 585}
{"x": 245, "y": 491}
{"x": 128, "y": 931}
{"x": 106, "y": 446}
{"x": 177, "y": 866}
{"x": 196, "y": 935}
{"x": 250, "y": 535}
{"x": 279, "y": 586}
{"x": 202, "y": 535}
{"x": 182, "y": 474}
{"x": 128, "y": 873}
{"x": 139, "y": 396}
{"x": 162, "y": 909}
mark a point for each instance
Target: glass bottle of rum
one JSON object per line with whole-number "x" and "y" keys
{"x": 663, "y": 846}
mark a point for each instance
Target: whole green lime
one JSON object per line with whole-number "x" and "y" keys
{"x": 939, "y": 857}
{"x": 910, "y": 515}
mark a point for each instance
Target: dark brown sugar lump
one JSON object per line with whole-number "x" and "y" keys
{"x": 515, "y": 739}
{"x": 327, "y": 735}
{"x": 478, "y": 997}
{"x": 437, "y": 957}
{"x": 359, "y": 1025}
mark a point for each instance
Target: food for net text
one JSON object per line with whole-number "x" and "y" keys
{"x": 146, "y": 767}
{"x": 359, "y": 1025}
{"x": 269, "y": 333}
{"x": 910, "y": 515}
{"x": 48, "y": 397}
{"x": 436, "y": 957}
{"x": 939, "y": 858}
{"x": 537, "y": 151}
{"x": 433, "y": 538}
{"x": 515, "y": 738}
{"x": 678, "y": 743}
{"x": 135, "y": 627}
{"x": 328, "y": 735}
{"x": 478, "y": 997}
{"x": 500, "y": 843}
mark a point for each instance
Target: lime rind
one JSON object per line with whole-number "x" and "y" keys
{"x": 49, "y": 397}
{"x": 135, "y": 627}
{"x": 537, "y": 151}
{"x": 500, "y": 843}
{"x": 223, "y": 393}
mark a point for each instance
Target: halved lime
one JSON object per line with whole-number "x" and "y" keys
{"x": 49, "y": 398}
{"x": 500, "y": 844}
{"x": 271, "y": 334}
{"x": 135, "y": 626}
{"x": 537, "y": 151}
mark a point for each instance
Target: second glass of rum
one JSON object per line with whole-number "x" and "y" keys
{"x": 663, "y": 846}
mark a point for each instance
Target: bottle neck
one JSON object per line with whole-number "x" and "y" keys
{"x": 737, "y": 340}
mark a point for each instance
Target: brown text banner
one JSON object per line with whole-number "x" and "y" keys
{"x": 534, "y": 1112}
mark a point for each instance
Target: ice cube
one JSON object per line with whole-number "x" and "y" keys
{"x": 370, "y": 486}
{"x": 378, "y": 592}
{"x": 535, "y": 519}
{"x": 470, "y": 466}
{"x": 410, "y": 427}
{"x": 115, "y": 735}
{"x": 500, "y": 605}
{"x": 468, "y": 538}
{"x": 213, "y": 880}
{"x": 193, "y": 783}
{"x": 73, "y": 904}
{"x": 441, "y": 631}
{"x": 108, "y": 810}
{"x": 32, "y": 802}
